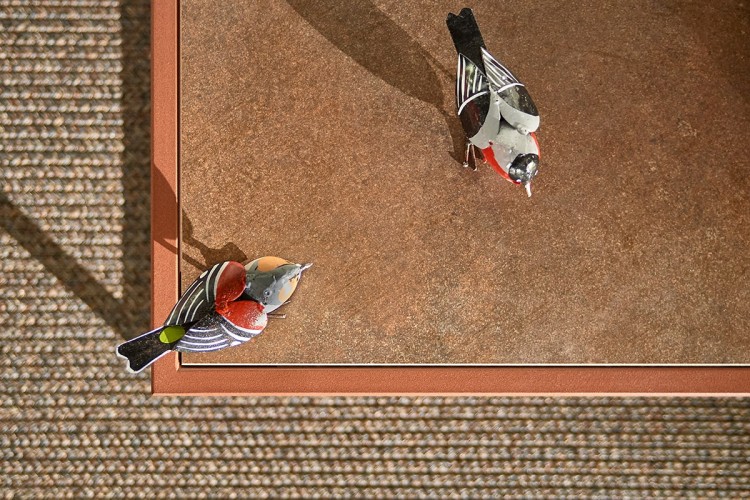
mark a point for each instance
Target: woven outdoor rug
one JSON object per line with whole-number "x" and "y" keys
{"x": 74, "y": 273}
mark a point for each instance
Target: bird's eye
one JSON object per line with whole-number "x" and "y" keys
{"x": 267, "y": 293}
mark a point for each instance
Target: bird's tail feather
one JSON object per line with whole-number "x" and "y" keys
{"x": 143, "y": 350}
{"x": 466, "y": 36}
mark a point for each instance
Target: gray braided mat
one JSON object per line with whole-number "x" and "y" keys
{"x": 74, "y": 131}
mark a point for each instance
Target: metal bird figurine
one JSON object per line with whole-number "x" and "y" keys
{"x": 226, "y": 306}
{"x": 495, "y": 109}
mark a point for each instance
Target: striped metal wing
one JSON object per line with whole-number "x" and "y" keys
{"x": 470, "y": 82}
{"x": 198, "y": 300}
{"x": 214, "y": 332}
{"x": 499, "y": 76}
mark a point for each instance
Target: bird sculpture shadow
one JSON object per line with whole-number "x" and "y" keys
{"x": 229, "y": 251}
{"x": 361, "y": 31}
{"x": 164, "y": 234}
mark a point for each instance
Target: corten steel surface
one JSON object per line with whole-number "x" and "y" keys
{"x": 170, "y": 376}
{"x": 324, "y": 133}
{"x": 326, "y": 147}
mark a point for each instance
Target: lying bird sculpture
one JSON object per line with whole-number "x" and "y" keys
{"x": 226, "y": 306}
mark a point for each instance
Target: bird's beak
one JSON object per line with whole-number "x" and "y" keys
{"x": 304, "y": 267}
{"x": 527, "y": 185}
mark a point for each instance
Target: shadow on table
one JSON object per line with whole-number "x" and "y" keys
{"x": 361, "y": 31}
{"x": 211, "y": 256}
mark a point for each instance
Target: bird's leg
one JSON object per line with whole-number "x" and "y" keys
{"x": 478, "y": 152}
{"x": 473, "y": 158}
{"x": 276, "y": 315}
{"x": 466, "y": 155}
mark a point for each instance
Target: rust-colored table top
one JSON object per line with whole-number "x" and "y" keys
{"x": 327, "y": 134}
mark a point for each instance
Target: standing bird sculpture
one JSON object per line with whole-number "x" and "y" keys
{"x": 495, "y": 109}
{"x": 226, "y": 306}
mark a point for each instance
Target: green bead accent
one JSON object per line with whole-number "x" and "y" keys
{"x": 171, "y": 334}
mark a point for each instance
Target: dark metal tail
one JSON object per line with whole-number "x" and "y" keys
{"x": 144, "y": 350}
{"x": 466, "y": 36}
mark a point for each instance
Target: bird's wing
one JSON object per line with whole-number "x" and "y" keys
{"x": 241, "y": 321}
{"x": 499, "y": 76}
{"x": 222, "y": 282}
{"x": 470, "y": 82}
{"x": 207, "y": 335}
